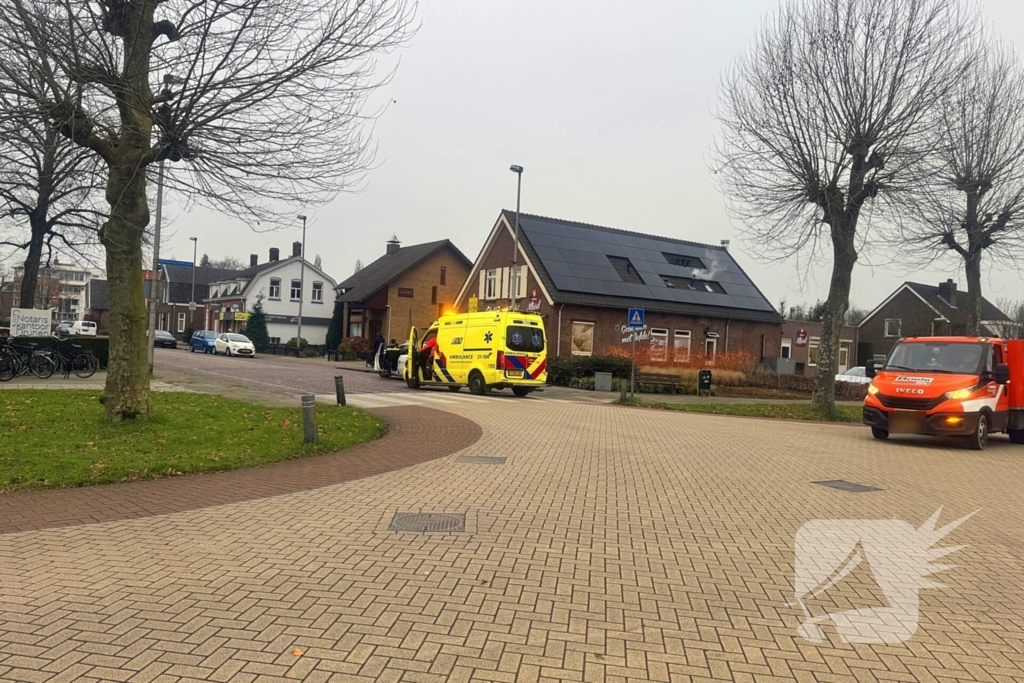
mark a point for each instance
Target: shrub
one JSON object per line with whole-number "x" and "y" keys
{"x": 309, "y": 353}
{"x": 768, "y": 378}
{"x": 562, "y": 370}
{"x": 354, "y": 347}
{"x": 294, "y": 341}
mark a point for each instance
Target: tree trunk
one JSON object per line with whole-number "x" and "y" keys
{"x": 972, "y": 265}
{"x": 126, "y": 394}
{"x": 30, "y": 278}
{"x": 844, "y": 256}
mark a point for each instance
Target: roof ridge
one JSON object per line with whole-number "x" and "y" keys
{"x": 620, "y": 231}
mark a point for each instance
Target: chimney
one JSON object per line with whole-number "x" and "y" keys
{"x": 296, "y": 248}
{"x": 725, "y": 245}
{"x": 275, "y": 254}
{"x": 253, "y": 260}
{"x": 947, "y": 290}
{"x": 393, "y": 245}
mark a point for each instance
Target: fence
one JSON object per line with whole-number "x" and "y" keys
{"x": 308, "y": 351}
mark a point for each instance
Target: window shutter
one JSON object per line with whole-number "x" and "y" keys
{"x": 483, "y": 285}
{"x": 521, "y": 282}
{"x": 503, "y": 274}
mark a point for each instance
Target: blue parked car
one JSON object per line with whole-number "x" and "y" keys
{"x": 202, "y": 340}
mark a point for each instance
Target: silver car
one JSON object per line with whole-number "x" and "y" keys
{"x": 854, "y": 376}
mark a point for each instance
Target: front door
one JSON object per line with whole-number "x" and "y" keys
{"x": 844, "y": 356}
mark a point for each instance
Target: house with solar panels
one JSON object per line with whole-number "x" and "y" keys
{"x": 583, "y": 279}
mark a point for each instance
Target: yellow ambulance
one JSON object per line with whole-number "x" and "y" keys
{"x": 482, "y": 351}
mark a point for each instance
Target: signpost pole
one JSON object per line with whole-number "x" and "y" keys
{"x": 632, "y": 368}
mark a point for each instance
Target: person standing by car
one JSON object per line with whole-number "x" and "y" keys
{"x": 378, "y": 349}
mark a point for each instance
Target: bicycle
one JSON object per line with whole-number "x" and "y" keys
{"x": 81, "y": 361}
{"x": 16, "y": 361}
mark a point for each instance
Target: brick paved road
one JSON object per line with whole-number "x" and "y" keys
{"x": 614, "y": 544}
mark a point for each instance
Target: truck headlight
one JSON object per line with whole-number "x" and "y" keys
{"x": 959, "y": 394}
{"x": 872, "y": 389}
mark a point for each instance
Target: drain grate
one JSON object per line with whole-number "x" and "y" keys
{"x": 428, "y": 522}
{"x": 848, "y": 486}
{"x": 482, "y": 460}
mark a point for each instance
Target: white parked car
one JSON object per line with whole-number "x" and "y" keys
{"x": 854, "y": 376}
{"x": 231, "y": 344}
{"x": 83, "y": 328}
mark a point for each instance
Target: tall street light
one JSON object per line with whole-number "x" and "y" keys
{"x": 192, "y": 301}
{"x": 154, "y": 282}
{"x": 302, "y": 283}
{"x": 518, "y": 170}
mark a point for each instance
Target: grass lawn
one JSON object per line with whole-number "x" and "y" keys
{"x": 782, "y": 411}
{"x": 55, "y": 438}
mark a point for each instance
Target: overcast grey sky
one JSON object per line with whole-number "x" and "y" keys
{"x": 605, "y": 104}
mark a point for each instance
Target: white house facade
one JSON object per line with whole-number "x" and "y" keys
{"x": 283, "y": 283}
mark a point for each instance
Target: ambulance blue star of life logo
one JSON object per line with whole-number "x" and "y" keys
{"x": 517, "y": 338}
{"x": 488, "y": 337}
{"x": 536, "y": 340}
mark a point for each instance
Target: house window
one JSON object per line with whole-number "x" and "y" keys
{"x": 582, "y": 339}
{"x": 681, "y": 346}
{"x": 405, "y": 292}
{"x": 444, "y": 275}
{"x": 355, "y": 329}
{"x": 812, "y": 350}
{"x": 787, "y": 348}
{"x": 659, "y": 344}
{"x": 710, "y": 347}
{"x": 181, "y": 322}
{"x": 318, "y": 292}
{"x": 893, "y": 327}
{"x": 518, "y": 281}
{"x": 491, "y": 284}
{"x": 275, "y": 340}
{"x": 433, "y": 294}
{"x": 296, "y": 290}
{"x": 275, "y": 288}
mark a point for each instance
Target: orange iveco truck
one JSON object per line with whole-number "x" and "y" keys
{"x": 948, "y": 386}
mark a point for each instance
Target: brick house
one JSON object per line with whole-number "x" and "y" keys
{"x": 916, "y": 309}
{"x": 96, "y": 307}
{"x": 582, "y": 279}
{"x": 406, "y": 287}
{"x": 801, "y": 339}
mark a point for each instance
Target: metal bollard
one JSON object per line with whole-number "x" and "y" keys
{"x": 309, "y": 417}
{"x": 622, "y": 394}
{"x": 339, "y": 389}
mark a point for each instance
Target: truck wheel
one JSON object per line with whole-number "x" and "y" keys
{"x": 879, "y": 433}
{"x": 1016, "y": 435}
{"x": 979, "y": 439}
{"x": 413, "y": 382}
{"x": 520, "y": 391}
{"x": 477, "y": 385}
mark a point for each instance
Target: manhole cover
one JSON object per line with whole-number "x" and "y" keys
{"x": 848, "y": 486}
{"x": 482, "y": 460}
{"x": 428, "y": 522}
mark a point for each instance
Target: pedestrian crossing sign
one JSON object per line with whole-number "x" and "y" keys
{"x": 636, "y": 318}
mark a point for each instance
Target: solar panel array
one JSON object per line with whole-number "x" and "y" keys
{"x": 576, "y": 258}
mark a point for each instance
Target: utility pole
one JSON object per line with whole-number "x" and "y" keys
{"x": 302, "y": 283}
{"x": 192, "y": 300}
{"x": 518, "y": 170}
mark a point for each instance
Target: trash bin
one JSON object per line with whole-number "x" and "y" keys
{"x": 602, "y": 381}
{"x": 704, "y": 381}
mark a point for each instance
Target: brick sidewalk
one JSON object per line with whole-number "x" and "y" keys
{"x": 415, "y": 435}
{"x": 612, "y": 545}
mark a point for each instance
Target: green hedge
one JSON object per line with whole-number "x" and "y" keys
{"x": 100, "y": 346}
{"x": 562, "y": 371}
{"x": 587, "y": 383}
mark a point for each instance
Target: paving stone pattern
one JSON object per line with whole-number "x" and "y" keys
{"x": 615, "y": 544}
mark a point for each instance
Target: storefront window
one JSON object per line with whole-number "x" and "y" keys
{"x": 582, "y": 339}
{"x": 659, "y": 344}
{"x": 681, "y": 346}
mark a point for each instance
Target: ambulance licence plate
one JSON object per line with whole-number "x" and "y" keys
{"x": 906, "y": 421}
{"x": 513, "y": 373}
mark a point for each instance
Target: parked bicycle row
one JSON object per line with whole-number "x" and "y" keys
{"x": 20, "y": 359}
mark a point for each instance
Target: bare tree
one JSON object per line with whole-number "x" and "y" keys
{"x": 973, "y": 204}
{"x": 228, "y": 263}
{"x": 48, "y": 192}
{"x": 261, "y": 102}
{"x": 822, "y": 120}
{"x": 1014, "y": 310}
{"x": 359, "y": 266}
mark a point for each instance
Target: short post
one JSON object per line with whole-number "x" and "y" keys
{"x": 622, "y": 394}
{"x": 309, "y": 417}
{"x": 339, "y": 389}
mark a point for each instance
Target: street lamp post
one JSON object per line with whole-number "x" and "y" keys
{"x": 302, "y": 283}
{"x": 518, "y": 170}
{"x": 154, "y": 289}
{"x": 192, "y": 301}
